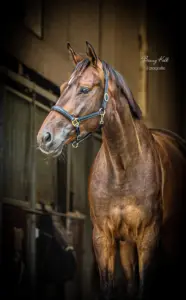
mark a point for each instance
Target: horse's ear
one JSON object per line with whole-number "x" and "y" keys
{"x": 91, "y": 53}
{"x": 75, "y": 57}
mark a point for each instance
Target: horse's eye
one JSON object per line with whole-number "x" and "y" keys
{"x": 84, "y": 90}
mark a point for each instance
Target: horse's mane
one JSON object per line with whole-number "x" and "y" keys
{"x": 120, "y": 82}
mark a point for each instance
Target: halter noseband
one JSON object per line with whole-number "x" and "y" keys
{"x": 76, "y": 121}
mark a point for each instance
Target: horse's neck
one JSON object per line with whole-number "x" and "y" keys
{"x": 125, "y": 140}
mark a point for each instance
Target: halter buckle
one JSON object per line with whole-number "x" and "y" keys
{"x": 102, "y": 114}
{"x": 75, "y": 122}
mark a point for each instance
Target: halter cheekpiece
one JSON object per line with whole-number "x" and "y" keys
{"x": 77, "y": 120}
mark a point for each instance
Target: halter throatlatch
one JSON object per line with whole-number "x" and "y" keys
{"x": 76, "y": 120}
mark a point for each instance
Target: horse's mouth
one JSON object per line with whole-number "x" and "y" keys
{"x": 53, "y": 151}
{"x": 56, "y": 148}
{"x": 53, "y": 146}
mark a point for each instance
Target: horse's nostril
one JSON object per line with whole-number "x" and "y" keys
{"x": 47, "y": 137}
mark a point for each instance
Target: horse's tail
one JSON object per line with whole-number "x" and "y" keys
{"x": 181, "y": 142}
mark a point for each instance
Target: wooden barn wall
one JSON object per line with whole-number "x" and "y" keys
{"x": 17, "y": 163}
{"x": 16, "y": 148}
{"x": 112, "y": 27}
{"x": 106, "y": 24}
{"x": 46, "y": 169}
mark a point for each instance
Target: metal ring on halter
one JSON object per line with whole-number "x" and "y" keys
{"x": 75, "y": 122}
{"x": 106, "y": 97}
{"x": 75, "y": 144}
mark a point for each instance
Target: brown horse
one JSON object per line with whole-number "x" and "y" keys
{"x": 136, "y": 187}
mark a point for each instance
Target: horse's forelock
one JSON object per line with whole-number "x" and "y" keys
{"x": 78, "y": 70}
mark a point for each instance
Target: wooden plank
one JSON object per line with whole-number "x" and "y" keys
{"x": 127, "y": 45}
{"x": 31, "y": 218}
{"x": 27, "y": 98}
{"x": 31, "y": 85}
{"x": 38, "y": 210}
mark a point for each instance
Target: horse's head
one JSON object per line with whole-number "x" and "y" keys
{"x": 80, "y": 106}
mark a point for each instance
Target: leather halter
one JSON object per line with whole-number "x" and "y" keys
{"x": 76, "y": 120}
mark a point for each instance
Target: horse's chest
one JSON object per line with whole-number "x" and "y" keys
{"x": 104, "y": 185}
{"x": 121, "y": 219}
{"x": 127, "y": 218}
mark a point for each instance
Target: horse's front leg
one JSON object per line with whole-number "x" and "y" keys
{"x": 128, "y": 256}
{"x": 105, "y": 249}
{"x": 147, "y": 245}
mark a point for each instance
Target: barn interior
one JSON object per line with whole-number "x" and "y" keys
{"x": 44, "y": 209}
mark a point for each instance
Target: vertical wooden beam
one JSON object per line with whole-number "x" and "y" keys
{"x": 107, "y": 31}
{"x": 2, "y": 96}
{"x": 68, "y": 185}
{"x": 100, "y": 15}
{"x": 142, "y": 93}
{"x": 31, "y": 219}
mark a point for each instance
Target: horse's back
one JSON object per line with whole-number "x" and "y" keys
{"x": 171, "y": 149}
{"x": 168, "y": 135}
